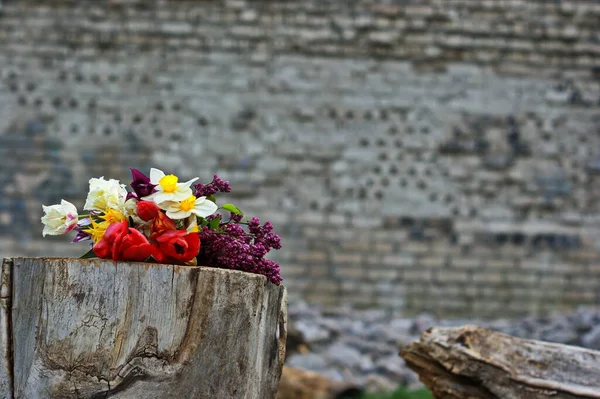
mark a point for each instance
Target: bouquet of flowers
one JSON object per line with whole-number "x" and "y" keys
{"x": 163, "y": 220}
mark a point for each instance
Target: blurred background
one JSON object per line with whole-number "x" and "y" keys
{"x": 423, "y": 161}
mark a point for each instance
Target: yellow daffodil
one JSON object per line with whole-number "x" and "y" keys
{"x": 168, "y": 187}
{"x": 182, "y": 209}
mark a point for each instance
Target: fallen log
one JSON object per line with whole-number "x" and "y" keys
{"x": 475, "y": 363}
{"x": 101, "y": 329}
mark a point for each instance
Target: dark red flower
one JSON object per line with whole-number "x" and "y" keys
{"x": 176, "y": 246}
{"x": 147, "y": 210}
{"x": 121, "y": 242}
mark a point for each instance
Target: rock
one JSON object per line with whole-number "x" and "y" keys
{"x": 423, "y": 322}
{"x": 362, "y": 346}
{"x": 347, "y": 356}
{"x": 591, "y": 340}
{"x": 308, "y": 361}
{"x": 312, "y": 332}
{"x": 392, "y": 367}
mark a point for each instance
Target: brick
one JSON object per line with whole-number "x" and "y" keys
{"x": 409, "y": 275}
{"x": 350, "y": 272}
{"x": 434, "y": 262}
{"x": 400, "y": 261}
{"x": 356, "y": 245}
{"x": 325, "y": 286}
{"x": 500, "y": 264}
{"x": 452, "y": 276}
{"x": 488, "y": 277}
{"x": 311, "y": 257}
{"x": 522, "y": 278}
{"x": 416, "y": 248}
{"x": 294, "y": 270}
{"x": 382, "y": 274}
{"x": 382, "y": 248}
{"x": 323, "y": 299}
{"x": 347, "y": 258}
{"x": 466, "y": 263}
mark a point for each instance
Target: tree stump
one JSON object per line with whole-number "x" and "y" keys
{"x": 474, "y": 363}
{"x": 96, "y": 329}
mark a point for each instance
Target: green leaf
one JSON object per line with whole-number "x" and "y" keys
{"x": 214, "y": 224}
{"x": 212, "y": 198}
{"x": 232, "y": 208}
{"x": 89, "y": 255}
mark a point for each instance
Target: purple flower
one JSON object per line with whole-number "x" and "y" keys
{"x": 217, "y": 185}
{"x": 236, "y": 248}
{"x": 141, "y": 185}
{"x": 82, "y": 235}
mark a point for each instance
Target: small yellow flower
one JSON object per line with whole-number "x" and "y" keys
{"x": 113, "y": 216}
{"x": 97, "y": 230}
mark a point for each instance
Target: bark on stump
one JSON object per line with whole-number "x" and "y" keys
{"x": 474, "y": 363}
{"x": 72, "y": 328}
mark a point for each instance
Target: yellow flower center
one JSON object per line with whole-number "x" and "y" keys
{"x": 188, "y": 204}
{"x": 169, "y": 183}
{"x": 113, "y": 216}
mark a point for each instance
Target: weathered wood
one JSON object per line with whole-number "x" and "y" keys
{"x": 474, "y": 363}
{"x": 97, "y": 328}
{"x": 6, "y": 379}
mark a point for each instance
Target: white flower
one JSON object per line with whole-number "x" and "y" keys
{"x": 105, "y": 194}
{"x": 168, "y": 188}
{"x": 59, "y": 219}
{"x": 180, "y": 210}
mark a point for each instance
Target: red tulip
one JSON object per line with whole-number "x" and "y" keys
{"x": 121, "y": 242}
{"x": 147, "y": 210}
{"x": 176, "y": 246}
{"x": 161, "y": 224}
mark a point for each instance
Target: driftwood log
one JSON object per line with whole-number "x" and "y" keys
{"x": 72, "y": 328}
{"x": 474, "y": 363}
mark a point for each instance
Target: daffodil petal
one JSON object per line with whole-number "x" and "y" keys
{"x": 156, "y": 175}
{"x": 204, "y": 208}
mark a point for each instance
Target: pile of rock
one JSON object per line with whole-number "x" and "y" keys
{"x": 361, "y": 346}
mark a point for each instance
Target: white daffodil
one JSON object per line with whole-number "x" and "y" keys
{"x": 105, "y": 195}
{"x": 168, "y": 187}
{"x": 180, "y": 210}
{"x": 59, "y": 219}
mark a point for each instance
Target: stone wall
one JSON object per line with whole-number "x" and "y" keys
{"x": 438, "y": 155}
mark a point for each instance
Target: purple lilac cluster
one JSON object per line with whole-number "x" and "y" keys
{"x": 217, "y": 185}
{"x": 232, "y": 247}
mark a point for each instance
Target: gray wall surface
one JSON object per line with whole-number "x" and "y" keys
{"x": 438, "y": 155}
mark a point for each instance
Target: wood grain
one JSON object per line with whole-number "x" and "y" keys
{"x": 474, "y": 363}
{"x": 97, "y": 328}
{"x": 6, "y": 380}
